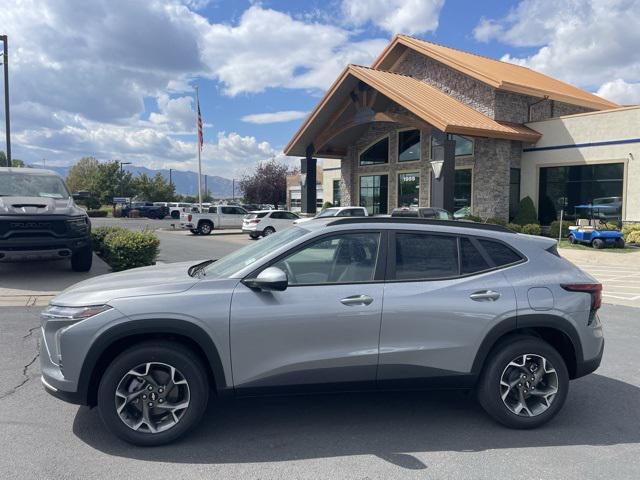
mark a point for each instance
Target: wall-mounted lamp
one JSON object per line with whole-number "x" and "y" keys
{"x": 631, "y": 156}
{"x": 436, "y": 166}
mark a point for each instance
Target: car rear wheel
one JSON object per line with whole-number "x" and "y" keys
{"x": 619, "y": 243}
{"x": 205, "y": 228}
{"x": 598, "y": 243}
{"x": 82, "y": 259}
{"x": 268, "y": 231}
{"x": 195, "y": 231}
{"x": 254, "y": 235}
{"x": 524, "y": 383}
{"x": 153, "y": 393}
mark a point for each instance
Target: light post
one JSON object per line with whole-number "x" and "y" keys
{"x": 122, "y": 178}
{"x": 5, "y": 63}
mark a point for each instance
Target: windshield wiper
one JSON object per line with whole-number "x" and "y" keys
{"x": 197, "y": 268}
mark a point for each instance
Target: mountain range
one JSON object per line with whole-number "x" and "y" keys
{"x": 186, "y": 182}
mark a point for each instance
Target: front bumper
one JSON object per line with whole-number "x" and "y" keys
{"x": 27, "y": 249}
{"x": 53, "y": 379}
{"x": 187, "y": 226}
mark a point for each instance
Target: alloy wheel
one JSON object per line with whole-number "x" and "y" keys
{"x": 152, "y": 397}
{"x": 528, "y": 385}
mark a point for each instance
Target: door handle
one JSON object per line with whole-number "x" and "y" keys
{"x": 357, "y": 300}
{"x": 484, "y": 295}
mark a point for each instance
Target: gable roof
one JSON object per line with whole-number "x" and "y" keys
{"x": 426, "y": 102}
{"x": 498, "y": 74}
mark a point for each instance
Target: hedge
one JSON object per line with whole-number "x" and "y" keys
{"x": 628, "y": 230}
{"x": 554, "y": 228}
{"x": 97, "y": 213}
{"x": 123, "y": 249}
{"x": 531, "y": 229}
{"x": 515, "y": 227}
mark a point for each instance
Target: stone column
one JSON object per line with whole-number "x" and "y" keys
{"x": 491, "y": 178}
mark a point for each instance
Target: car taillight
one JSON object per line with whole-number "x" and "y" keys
{"x": 254, "y": 221}
{"x": 594, "y": 289}
{"x": 189, "y": 217}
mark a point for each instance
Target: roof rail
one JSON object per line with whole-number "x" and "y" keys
{"x": 423, "y": 221}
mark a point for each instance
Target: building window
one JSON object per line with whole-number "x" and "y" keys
{"x": 462, "y": 189}
{"x": 464, "y": 145}
{"x": 376, "y": 154}
{"x": 514, "y": 192}
{"x": 296, "y": 203}
{"x": 374, "y": 193}
{"x": 582, "y": 191}
{"x": 408, "y": 189}
{"x": 337, "y": 193}
{"x": 409, "y": 145}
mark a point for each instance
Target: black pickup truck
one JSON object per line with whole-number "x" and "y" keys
{"x": 39, "y": 219}
{"x": 146, "y": 209}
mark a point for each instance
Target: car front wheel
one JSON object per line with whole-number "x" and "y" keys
{"x": 572, "y": 240}
{"x": 598, "y": 243}
{"x": 268, "y": 231}
{"x": 524, "y": 384}
{"x": 153, "y": 393}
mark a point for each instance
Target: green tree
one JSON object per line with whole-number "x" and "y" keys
{"x": 83, "y": 176}
{"x": 111, "y": 182}
{"x": 156, "y": 189}
{"x": 14, "y": 161}
{"x": 526, "y": 212}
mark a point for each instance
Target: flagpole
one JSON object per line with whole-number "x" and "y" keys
{"x": 199, "y": 148}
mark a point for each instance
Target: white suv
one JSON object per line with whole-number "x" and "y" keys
{"x": 266, "y": 222}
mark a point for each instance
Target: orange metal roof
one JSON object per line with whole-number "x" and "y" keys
{"x": 426, "y": 102}
{"x": 498, "y": 74}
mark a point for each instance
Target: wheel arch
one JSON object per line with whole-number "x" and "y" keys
{"x": 553, "y": 329}
{"x": 120, "y": 337}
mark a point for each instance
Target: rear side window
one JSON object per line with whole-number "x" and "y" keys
{"x": 420, "y": 256}
{"x": 471, "y": 260}
{"x": 500, "y": 253}
{"x": 357, "y": 212}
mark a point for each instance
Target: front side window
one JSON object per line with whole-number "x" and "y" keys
{"x": 408, "y": 189}
{"x": 423, "y": 256}
{"x": 343, "y": 258}
{"x": 374, "y": 193}
{"x": 409, "y": 145}
{"x": 376, "y": 154}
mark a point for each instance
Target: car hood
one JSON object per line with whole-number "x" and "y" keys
{"x": 38, "y": 206}
{"x": 155, "y": 280}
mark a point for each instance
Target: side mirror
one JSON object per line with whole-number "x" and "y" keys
{"x": 81, "y": 195}
{"x": 271, "y": 278}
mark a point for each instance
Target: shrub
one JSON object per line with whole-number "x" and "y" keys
{"x": 628, "y": 229}
{"x": 117, "y": 213}
{"x": 515, "y": 227}
{"x": 123, "y": 249}
{"x": 531, "y": 229}
{"x": 496, "y": 221}
{"x": 134, "y": 214}
{"x": 327, "y": 205}
{"x": 526, "y": 212}
{"x": 98, "y": 235}
{"x": 548, "y": 212}
{"x": 97, "y": 213}
{"x": 554, "y": 228}
{"x": 633, "y": 236}
{"x": 474, "y": 218}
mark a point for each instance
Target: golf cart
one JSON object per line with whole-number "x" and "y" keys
{"x": 595, "y": 232}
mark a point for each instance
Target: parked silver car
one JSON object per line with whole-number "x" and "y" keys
{"x": 346, "y": 303}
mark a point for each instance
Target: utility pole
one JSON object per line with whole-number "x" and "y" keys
{"x": 170, "y": 179}
{"x": 233, "y": 189}
{"x": 5, "y": 62}
{"x": 206, "y": 189}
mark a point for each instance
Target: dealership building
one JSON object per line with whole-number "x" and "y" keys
{"x": 428, "y": 125}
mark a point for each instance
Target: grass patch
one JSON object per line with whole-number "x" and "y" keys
{"x": 579, "y": 246}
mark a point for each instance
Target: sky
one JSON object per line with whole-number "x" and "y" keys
{"x": 115, "y": 79}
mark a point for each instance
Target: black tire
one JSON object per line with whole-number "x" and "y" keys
{"x": 195, "y": 231}
{"x": 598, "y": 243}
{"x": 254, "y": 235}
{"x": 81, "y": 260}
{"x": 572, "y": 240}
{"x": 205, "y": 228}
{"x": 173, "y": 354}
{"x": 619, "y": 243}
{"x": 489, "y": 389}
{"x": 175, "y": 215}
{"x": 160, "y": 216}
{"x": 268, "y": 231}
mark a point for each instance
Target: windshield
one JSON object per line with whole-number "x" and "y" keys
{"x": 329, "y": 212}
{"x": 227, "y": 266}
{"x": 32, "y": 185}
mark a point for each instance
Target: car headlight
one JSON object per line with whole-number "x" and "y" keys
{"x": 57, "y": 319}
{"x": 73, "y": 313}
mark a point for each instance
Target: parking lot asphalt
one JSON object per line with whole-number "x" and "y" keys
{"x": 404, "y": 435}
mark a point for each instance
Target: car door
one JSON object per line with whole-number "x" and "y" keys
{"x": 324, "y": 328}
{"x": 443, "y": 295}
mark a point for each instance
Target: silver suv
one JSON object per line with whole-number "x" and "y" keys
{"x": 336, "y": 303}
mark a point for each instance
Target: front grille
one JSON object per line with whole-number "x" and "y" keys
{"x": 24, "y": 227}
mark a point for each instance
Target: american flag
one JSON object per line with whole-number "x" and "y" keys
{"x": 200, "y": 133}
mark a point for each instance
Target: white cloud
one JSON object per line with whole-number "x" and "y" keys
{"x": 274, "y": 117}
{"x": 589, "y": 43}
{"x": 621, "y": 92}
{"x": 175, "y": 113}
{"x": 395, "y": 16}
